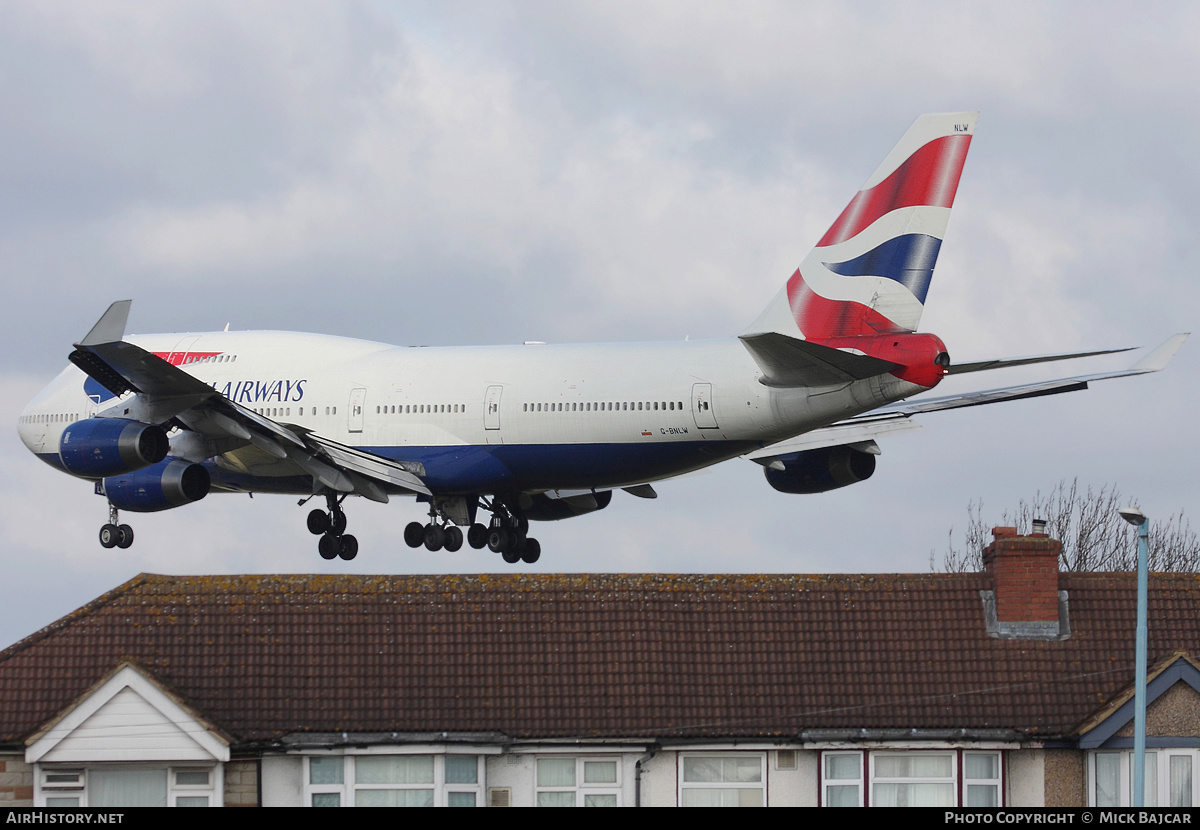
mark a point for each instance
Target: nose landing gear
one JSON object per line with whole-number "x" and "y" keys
{"x": 330, "y": 525}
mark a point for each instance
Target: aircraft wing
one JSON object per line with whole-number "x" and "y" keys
{"x": 859, "y": 432}
{"x": 896, "y": 418}
{"x": 168, "y": 393}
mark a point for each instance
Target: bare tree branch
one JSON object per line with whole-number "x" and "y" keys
{"x": 1093, "y": 535}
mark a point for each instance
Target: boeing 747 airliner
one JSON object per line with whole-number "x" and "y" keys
{"x": 538, "y": 432}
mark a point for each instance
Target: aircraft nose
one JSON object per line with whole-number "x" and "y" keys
{"x": 31, "y": 431}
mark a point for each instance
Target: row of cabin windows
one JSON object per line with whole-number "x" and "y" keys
{"x": 214, "y": 358}
{"x": 56, "y": 418}
{"x": 422, "y": 409}
{"x": 286, "y": 411}
{"x": 607, "y": 406}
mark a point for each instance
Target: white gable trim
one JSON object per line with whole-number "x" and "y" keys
{"x": 128, "y": 717}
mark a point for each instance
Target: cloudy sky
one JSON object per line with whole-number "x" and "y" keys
{"x": 478, "y": 173}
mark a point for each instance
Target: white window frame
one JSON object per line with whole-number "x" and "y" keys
{"x": 214, "y": 790}
{"x": 869, "y": 777}
{"x": 685, "y": 786}
{"x": 951, "y": 780}
{"x": 581, "y": 788}
{"x": 348, "y": 788}
{"x": 1158, "y": 774}
{"x": 827, "y": 782}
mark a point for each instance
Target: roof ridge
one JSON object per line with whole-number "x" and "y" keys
{"x": 73, "y": 616}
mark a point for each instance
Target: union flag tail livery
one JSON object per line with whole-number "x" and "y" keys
{"x": 537, "y": 432}
{"x": 870, "y": 272}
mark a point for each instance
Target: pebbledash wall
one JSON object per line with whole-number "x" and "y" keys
{"x": 1011, "y": 687}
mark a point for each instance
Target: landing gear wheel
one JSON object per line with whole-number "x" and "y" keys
{"x": 110, "y": 534}
{"x": 454, "y": 539}
{"x": 338, "y": 522}
{"x": 318, "y": 522}
{"x": 414, "y": 534}
{"x": 497, "y": 540}
{"x": 349, "y": 547}
{"x": 126, "y": 536}
{"x": 435, "y": 537}
{"x": 330, "y": 546}
{"x": 512, "y": 557}
{"x": 477, "y": 536}
{"x": 532, "y": 552}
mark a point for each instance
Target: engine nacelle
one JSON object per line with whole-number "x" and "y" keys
{"x": 818, "y": 471}
{"x": 541, "y": 508}
{"x": 99, "y": 447}
{"x": 170, "y": 483}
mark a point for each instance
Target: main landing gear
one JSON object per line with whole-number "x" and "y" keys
{"x": 114, "y": 534}
{"x": 438, "y": 534}
{"x": 506, "y": 534}
{"x": 330, "y": 525}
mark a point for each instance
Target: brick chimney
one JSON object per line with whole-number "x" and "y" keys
{"x": 1025, "y": 569}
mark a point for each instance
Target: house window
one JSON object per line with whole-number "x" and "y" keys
{"x": 127, "y": 786}
{"x": 393, "y": 781}
{"x": 1170, "y": 778}
{"x": 726, "y": 780}
{"x": 913, "y": 778}
{"x": 842, "y": 779}
{"x": 593, "y": 781}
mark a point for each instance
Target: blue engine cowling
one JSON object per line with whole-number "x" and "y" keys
{"x": 541, "y": 508}
{"x": 99, "y": 447}
{"x": 170, "y": 483}
{"x": 818, "y": 471}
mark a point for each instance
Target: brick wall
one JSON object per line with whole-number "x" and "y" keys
{"x": 16, "y": 782}
{"x": 241, "y": 784}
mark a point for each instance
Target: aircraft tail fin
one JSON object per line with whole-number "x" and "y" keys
{"x": 871, "y": 270}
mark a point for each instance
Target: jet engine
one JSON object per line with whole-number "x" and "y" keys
{"x": 540, "y": 507}
{"x": 821, "y": 470}
{"x": 172, "y": 482}
{"x": 99, "y": 447}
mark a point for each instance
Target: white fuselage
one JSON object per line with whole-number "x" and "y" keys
{"x": 483, "y": 419}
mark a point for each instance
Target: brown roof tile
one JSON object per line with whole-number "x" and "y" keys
{"x": 596, "y": 655}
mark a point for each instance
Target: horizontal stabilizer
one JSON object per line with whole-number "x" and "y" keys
{"x": 1004, "y": 363}
{"x": 1156, "y": 361}
{"x": 788, "y": 362}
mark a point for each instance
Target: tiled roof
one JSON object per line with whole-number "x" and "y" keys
{"x": 596, "y": 655}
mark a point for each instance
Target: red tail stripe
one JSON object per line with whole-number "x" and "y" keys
{"x": 820, "y": 318}
{"x": 927, "y": 177}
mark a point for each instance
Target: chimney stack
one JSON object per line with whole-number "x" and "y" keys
{"x": 1025, "y": 569}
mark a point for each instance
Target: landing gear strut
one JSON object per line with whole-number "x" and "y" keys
{"x": 114, "y": 534}
{"x": 330, "y": 525}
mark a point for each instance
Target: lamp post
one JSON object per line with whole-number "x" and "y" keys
{"x": 1137, "y": 518}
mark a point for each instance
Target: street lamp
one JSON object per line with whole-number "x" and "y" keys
{"x": 1137, "y": 518}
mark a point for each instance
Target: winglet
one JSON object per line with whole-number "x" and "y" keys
{"x": 111, "y": 327}
{"x": 1158, "y": 359}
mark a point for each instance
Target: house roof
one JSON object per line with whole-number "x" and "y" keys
{"x": 596, "y": 655}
